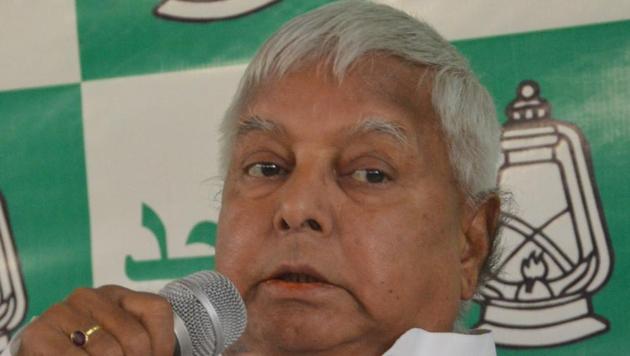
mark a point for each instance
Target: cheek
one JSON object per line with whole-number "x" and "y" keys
{"x": 403, "y": 260}
{"x": 240, "y": 235}
{"x": 399, "y": 233}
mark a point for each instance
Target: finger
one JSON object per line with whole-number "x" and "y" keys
{"x": 129, "y": 332}
{"x": 69, "y": 320}
{"x": 42, "y": 337}
{"x": 155, "y": 314}
{"x": 102, "y": 343}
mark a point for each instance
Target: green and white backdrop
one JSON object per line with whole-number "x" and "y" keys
{"x": 108, "y": 151}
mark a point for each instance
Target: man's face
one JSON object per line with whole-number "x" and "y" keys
{"x": 341, "y": 222}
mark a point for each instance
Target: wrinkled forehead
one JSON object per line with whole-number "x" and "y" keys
{"x": 384, "y": 77}
{"x": 398, "y": 80}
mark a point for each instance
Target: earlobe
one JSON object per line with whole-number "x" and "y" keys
{"x": 479, "y": 229}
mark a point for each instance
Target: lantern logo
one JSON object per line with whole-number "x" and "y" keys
{"x": 12, "y": 293}
{"x": 556, "y": 251}
{"x": 208, "y": 10}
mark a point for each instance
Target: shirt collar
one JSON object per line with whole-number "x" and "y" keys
{"x": 418, "y": 342}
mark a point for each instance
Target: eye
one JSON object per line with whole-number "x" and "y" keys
{"x": 374, "y": 176}
{"x": 265, "y": 169}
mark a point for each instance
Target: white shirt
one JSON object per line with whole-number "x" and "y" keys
{"x": 415, "y": 342}
{"x": 418, "y": 342}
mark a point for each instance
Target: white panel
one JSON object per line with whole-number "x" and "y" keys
{"x": 208, "y": 10}
{"x": 456, "y": 19}
{"x": 38, "y": 43}
{"x": 537, "y": 190}
{"x": 152, "y": 139}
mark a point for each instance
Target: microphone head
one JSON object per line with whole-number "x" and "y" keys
{"x": 211, "y": 310}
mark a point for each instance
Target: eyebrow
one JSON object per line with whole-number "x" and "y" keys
{"x": 366, "y": 126}
{"x": 381, "y": 126}
{"x": 256, "y": 123}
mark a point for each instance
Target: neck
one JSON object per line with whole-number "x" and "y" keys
{"x": 357, "y": 347}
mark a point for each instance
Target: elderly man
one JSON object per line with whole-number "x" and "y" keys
{"x": 359, "y": 206}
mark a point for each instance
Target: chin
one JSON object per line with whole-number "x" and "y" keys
{"x": 299, "y": 330}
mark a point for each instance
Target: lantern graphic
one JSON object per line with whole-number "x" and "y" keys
{"x": 556, "y": 253}
{"x": 208, "y": 10}
{"x": 12, "y": 293}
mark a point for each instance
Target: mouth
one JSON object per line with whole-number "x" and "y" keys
{"x": 299, "y": 283}
{"x": 302, "y": 275}
{"x": 298, "y": 278}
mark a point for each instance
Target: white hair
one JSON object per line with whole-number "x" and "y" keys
{"x": 342, "y": 33}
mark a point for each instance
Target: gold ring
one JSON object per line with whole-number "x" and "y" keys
{"x": 80, "y": 338}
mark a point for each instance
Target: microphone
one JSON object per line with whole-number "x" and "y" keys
{"x": 209, "y": 313}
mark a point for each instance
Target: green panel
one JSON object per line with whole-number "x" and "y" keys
{"x": 120, "y": 38}
{"x": 42, "y": 178}
{"x": 584, "y": 73}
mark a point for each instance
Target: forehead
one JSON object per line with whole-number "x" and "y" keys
{"x": 375, "y": 89}
{"x": 390, "y": 78}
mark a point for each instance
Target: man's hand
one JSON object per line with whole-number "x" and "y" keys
{"x": 131, "y": 324}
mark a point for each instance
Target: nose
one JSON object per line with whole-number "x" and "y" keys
{"x": 305, "y": 204}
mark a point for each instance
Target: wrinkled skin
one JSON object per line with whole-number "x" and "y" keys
{"x": 376, "y": 220}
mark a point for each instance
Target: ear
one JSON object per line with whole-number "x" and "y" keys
{"x": 479, "y": 227}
